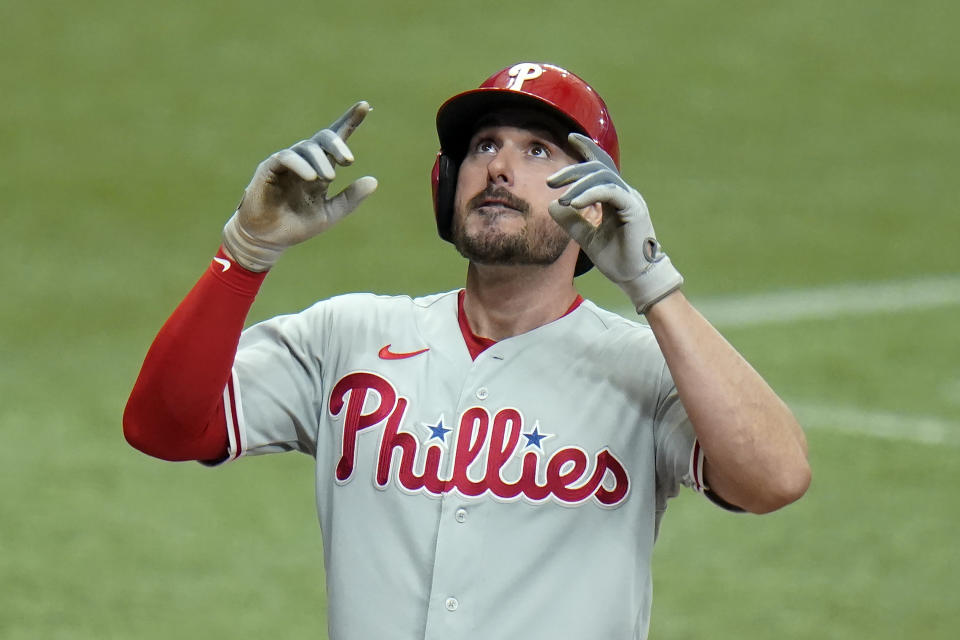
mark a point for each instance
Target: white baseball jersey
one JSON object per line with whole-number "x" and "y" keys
{"x": 517, "y": 495}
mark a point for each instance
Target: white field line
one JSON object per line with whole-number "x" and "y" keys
{"x": 878, "y": 424}
{"x": 847, "y": 299}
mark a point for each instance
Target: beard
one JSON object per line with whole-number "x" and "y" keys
{"x": 541, "y": 241}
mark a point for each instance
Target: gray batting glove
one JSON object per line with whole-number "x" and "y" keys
{"x": 287, "y": 203}
{"x": 623, "y": 246}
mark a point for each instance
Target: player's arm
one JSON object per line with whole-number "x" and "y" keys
{"x": 176, "y": 409}
{"x": 755, "y": 451}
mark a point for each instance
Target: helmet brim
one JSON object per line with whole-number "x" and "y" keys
{"x": 458, "y": 117}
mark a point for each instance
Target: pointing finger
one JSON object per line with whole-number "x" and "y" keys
{"x": 590, "y": 150}
{"x": 349, "y": 121}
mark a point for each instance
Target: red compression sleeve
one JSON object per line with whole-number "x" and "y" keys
{"x": 175, "y": 411}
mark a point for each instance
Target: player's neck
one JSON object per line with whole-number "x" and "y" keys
{"x": 505, "y": 301}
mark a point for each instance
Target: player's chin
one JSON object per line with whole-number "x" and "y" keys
{"x": 487, "y": 243}
{"x": 508, "y": 249}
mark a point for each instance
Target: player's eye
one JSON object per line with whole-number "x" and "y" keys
{"x": 485, "y": 146}
{"x": 539, "y": 150}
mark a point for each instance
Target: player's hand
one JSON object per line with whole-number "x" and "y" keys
{"x": 287, "y": 202}
{"x": 623, "y": 245}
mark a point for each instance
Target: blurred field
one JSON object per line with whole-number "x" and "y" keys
{"x": 781, "y": 146}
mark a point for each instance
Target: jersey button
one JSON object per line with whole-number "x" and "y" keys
{"x": 482, "y": 393}
{"x": 460, "y": 515}
{"x": 451, "y": 604}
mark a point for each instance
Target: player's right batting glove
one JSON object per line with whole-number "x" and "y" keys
{"x": 623, "y": 246}
{"x": 287, "y": 203}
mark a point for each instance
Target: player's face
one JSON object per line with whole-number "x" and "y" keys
{"x": 502, "y": 196}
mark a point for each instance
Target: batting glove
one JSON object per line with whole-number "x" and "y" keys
{"x": 623, "y": 246}
{"x": 287, "y": 203}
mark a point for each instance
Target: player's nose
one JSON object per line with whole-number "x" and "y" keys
{"x": 500, "y": 169}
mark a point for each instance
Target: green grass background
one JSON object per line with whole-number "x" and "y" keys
{"x": 779, "y": 145}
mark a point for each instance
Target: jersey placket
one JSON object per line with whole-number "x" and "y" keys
{"x": 455, "y": 587}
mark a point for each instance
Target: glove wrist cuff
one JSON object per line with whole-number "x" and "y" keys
{"x": 249, "y": 253}
{"x": 653, "y": 285}
{"x": 642, "y": 310}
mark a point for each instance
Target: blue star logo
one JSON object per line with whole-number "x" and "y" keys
{"x": 438, "y": 431}
{"x": 534, "y": 437}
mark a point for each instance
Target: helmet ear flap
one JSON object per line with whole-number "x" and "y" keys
{"x": 444, "y": 194}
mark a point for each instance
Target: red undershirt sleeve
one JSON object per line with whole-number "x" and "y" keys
{"x": 176, "y": 410}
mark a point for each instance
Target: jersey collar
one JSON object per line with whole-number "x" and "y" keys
{"x": 478, "y": 344}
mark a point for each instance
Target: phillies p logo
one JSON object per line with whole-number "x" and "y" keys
{"x": 520, "y": 73}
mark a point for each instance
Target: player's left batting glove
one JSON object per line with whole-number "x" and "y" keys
{"x": 623, "y": 246}
{"x": 286, "y": 202}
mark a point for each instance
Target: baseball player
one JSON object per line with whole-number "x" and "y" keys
{"x": 494, "y": 461}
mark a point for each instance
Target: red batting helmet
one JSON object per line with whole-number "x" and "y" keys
{"x": 542, "y": 86}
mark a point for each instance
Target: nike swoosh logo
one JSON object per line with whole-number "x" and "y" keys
{"x": 223, "y": 262}
{"x": 386, "y": 354}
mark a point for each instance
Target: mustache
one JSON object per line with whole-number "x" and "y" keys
{"x": 493, "y": 192}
